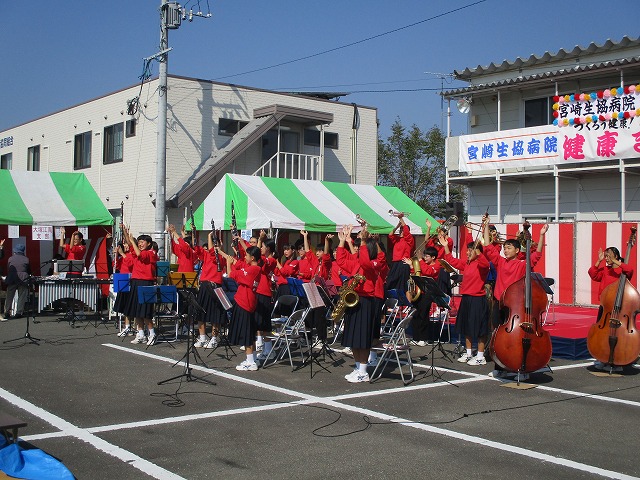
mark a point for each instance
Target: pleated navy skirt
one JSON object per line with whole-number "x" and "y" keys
{"x": 242, "y": 329}
{"x": 473, "y": 316}
{"x": 359, "y": 323}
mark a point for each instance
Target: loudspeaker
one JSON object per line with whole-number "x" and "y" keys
{"x": 457, "y": 209}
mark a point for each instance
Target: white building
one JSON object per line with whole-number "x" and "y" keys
{"x": 582, "y": 177}
{"x": 213, "y": 129}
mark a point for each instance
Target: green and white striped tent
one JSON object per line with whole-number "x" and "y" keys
{"x": 49, "y": 198}
{"x": 305, "y": 204}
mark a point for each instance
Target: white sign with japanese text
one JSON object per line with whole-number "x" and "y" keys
{"x": 14, "y": 231}
{"x": 41, "y": 233}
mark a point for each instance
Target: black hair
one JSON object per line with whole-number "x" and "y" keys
{"x": 357, "y": 242}
{"x": 372, "y": 248}
{"x": 288, "y": 246}
{"x": 431, "y": 251}
{"x": 270, "y": 244}
{"x": 320, "y": 246}
{"x": 382, "y": 247}
{"x": 255, "y": 253}
{"x": 154, "y": 246}
{"x": 473, "y": 244}
{"x": 615, "y": 252}
{"x": 299, "y": 243}
{"x": 514, "y": 243}
{"x": 148, "y": 239}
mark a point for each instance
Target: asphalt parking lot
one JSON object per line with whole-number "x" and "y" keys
{"x": 93, "y": 401}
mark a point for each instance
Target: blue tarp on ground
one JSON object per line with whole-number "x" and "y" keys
{"x": 19, "y": 462}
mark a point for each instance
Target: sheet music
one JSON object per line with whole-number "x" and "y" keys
{"x": 313, "y": 295}
{"x": 222, "y": 297}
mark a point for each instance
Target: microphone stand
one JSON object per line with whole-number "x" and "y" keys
{"x": 27, "y": 336}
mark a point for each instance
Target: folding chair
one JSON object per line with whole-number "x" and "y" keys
{"x": 392, "y": 349}
{"x": 292, "y": 331}
{"x": 285, "y": 305}
{"x": 550, "y": 304}
{"x": 390, "y": 311}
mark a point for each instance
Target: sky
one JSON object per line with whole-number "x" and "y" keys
{"x": 392, "y": 55}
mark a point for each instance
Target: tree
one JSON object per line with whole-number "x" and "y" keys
{"x": 413, "y": 161}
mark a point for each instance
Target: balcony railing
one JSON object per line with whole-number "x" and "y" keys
{"x": 290, "y": 165}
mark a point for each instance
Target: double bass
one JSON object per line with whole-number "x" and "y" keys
{"x": 614, "y": 338}
{"x": 520, "y": 344}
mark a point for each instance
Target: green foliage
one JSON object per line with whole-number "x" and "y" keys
{"x": 413, "y": 161}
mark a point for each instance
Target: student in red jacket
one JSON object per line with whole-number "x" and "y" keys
{"x": 243, "y": 328}
{"x": 210, "y": 279}
{"x": 608, "y": 272}
{"x": 473, "y": 314}
{"x": 401, "y": 246}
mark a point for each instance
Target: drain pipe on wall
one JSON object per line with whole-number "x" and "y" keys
{"x": 354, "y": 142}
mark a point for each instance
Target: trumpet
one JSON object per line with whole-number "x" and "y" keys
{"x": 394, "y": 213}
{"x": 361, "y": 221}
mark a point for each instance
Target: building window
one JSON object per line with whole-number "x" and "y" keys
{"x": 229, "y": 126}
{"x": 5, "y": 161}
{"x": 82, "y": 151}
{"x": 112, "y": 150}
{"x": 131, "y": 128}
{"x": 312, "y": 138}
{"x": 33, "y": 158}
{"x": 538, "y": 112}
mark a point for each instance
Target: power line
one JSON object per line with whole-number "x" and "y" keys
{"x": 324, "y": 52}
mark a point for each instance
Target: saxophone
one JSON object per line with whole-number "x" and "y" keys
{"x": 413, "y": 291}
{"x": 347, "y": 297}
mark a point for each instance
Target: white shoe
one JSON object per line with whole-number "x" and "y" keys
{"x": 201, "y": 343}
{"x": 477, "y": 361}
{"x": 242, "y": 347}
{"x": 359, "y": 378}
{"x": 259, "y": 346}
{"x": 126, "y": 331}
{"x": 464, "y": 358}
{"x": 353, "y": 373}
{"x": 347, "y": 351}
{"x": 152, "y": 340}
{"x": 139, "y": 339}
{"x": 213, "y": 343}
{"x": 247, "y": 366}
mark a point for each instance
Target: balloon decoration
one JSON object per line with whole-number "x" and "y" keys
{"x": 562, "y": 113}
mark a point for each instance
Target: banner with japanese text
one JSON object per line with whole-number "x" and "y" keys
{"x": 550, "y": 145}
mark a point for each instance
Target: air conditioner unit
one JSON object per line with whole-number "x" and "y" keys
{"x": 473, "y": 120}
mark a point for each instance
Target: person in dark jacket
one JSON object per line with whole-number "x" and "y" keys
{"x": 18, "y": 271}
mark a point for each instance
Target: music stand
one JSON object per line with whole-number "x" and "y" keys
{"x": 430, "y": 287}
{"x": 158, "y": 295}
{"x": 315, "y": 300}
{"x": 31, "y": 292}
{"x": 222, "y": 297}
{"x": 74, "y": 268}
{"x": 194, "y": 310}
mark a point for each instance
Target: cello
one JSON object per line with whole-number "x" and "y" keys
{"x": 614, "y": 338}
{"x": 520, "y": 344}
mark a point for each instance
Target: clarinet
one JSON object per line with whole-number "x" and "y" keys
{"x": 118, "y": 238}
{"x": 214, "y": 239}
{"x": 193, "y": 226}
{"x": 234, "y": 228}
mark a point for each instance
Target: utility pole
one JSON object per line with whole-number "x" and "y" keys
{"x": 171, "y": 15}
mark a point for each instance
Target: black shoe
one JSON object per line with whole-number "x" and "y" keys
{"x": 17, "y": 316}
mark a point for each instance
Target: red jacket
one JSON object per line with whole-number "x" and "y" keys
{"x": 380, "y": 264}
{"x": 246, "y": 276}
{"x": 607, "y": 275}
{"x": 508, "y": 271}
{"x": 401, "y": 245}
{"x": 75, "y": 252}
{"x": 144, "y": 265}
{"x": 209, "y": 271}
{"x": 269, "y": 265}
{"x": 187, "y": 256}
{"x": 363, "y": 266}
{"x": 289, "y": 269}
{"x": 475, "y": 274}
{"x": 307, "y": 266}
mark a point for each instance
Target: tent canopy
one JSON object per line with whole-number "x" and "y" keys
{"x": 261, "y": 202}
{"x": 50, "y": 198}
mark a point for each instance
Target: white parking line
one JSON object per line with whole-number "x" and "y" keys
{"x": 69, "y": 429}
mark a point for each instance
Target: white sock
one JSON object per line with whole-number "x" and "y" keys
{"x": 362, "y": 368}
{"x": 372, "y": 356}
{"x": 469, "y": 353}
{"x": 480, "y": 354}
{"x": 259, "y": 340}
{"x": 152, "y": 332}
{"x": 251, "y": 358}
{"x": 357, "y": 365}
{"x": 140, "y": 332}
{"x": 268, "y": 346}
{"x": 203, "y": 338}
